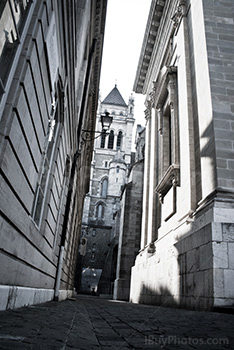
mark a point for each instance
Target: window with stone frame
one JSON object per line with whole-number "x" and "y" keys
{"x": 166, "y": 136}
{"x": 100, "y": 211}
{"x": 45, "y": 170}
{"x": 104, "y": 187}
{"x": 166, "y": 103}
{"x": 111, "y": 140}
{"x": 103, "y": 140}
{"x": 48, "y": 157}
{"x": 119, "y": 140}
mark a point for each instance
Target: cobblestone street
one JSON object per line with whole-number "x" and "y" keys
{"x": 94, "y": 323}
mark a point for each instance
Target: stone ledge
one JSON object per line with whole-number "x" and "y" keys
{"x": 13, "y": 297}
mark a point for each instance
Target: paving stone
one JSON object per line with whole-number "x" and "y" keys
{"x": 92, "y": 323}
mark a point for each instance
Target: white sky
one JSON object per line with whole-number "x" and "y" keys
{"x": 125, "y": 27}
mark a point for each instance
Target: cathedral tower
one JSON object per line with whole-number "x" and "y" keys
{"x": 111, "y": 161}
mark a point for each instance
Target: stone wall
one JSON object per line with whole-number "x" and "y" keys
{"x": 44, "y": 166}
{"x": 190, "y": 263}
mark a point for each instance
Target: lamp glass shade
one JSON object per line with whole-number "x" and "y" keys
{"x": 106, "y": 120}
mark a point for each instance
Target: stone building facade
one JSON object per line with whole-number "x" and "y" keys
{"x": 110, "y": 166}
{"x": 50, "y": 57}
{"x": 186, "y": 72}
{"x": 130, "y": 220}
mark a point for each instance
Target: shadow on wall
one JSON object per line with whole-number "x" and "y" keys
{"x": 187, "y": 272}
{"x": 162, "y": 297}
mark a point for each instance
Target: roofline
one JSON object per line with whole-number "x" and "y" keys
{"x": 153, "y": 22}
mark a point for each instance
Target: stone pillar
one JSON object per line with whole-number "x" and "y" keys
{"x": 115, "y": 141}
{"x": 144, "y": 227}
{"x": 152, "y": 172}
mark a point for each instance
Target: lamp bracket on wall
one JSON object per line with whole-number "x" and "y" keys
{"x": 89, "y": 135}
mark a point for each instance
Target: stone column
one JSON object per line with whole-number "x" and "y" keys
{"x": 144, "y": 227}
{"x": 115, "y": 141}
{"x": 152, "y": 171}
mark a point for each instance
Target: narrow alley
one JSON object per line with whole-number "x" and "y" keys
{"x": 87, "y": 323}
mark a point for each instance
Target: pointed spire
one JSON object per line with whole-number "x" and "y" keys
{"x": 114, "y": 98}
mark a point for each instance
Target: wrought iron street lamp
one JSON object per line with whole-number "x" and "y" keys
{"x": 89, "y": 135}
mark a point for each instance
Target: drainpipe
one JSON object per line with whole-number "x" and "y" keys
{"x": 64, "y": 230}
{"x": 59, "y": 273}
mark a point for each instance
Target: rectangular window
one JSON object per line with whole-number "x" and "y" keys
{"x": 13, "y": 15}
{"x": 166, "y": 102}
{"x": 167, "y": 137}
{"x": 45, "y": 170}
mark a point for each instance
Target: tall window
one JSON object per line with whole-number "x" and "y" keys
{"x": 119, "y": 140}
{"x": 104, "y": 188}
{"x": 45, "y": 170}
{"x": 111, "y": 140}
{"x": 103, "y": 139}
{"x": 167, "y": 139}
{"x": 168, "y": 142}
{"x": 100, "y": 211}
{"x": 47, "y": 160}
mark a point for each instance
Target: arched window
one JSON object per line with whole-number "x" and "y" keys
{"x": 103, "y": 139}
{"x": 100, "y": 211}
{"x": 117, "y": 169}
{"x": 104, "y": 188}
{"x": 111, "y": 140}
{"x": 119, "y": 140}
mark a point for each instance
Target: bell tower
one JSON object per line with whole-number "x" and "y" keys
{"x": 110, "y": 166}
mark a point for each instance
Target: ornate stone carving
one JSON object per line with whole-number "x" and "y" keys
{"x": 160, "y": 118}
{"x": 180, "y": 12}
{"x": 152, "y": 97}
{"x": 148, "y": 109}
{"x": 151, "y": 248}
{"x": 170, "y": 179}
